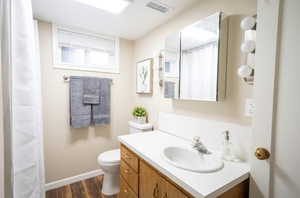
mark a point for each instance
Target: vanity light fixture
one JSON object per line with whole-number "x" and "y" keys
{"x": 248, "y": 23}
{"x": 248, "y": 46}
{"x": 112, "y": 6}
{"x": 161, "y": 68}
{"x": 246, "y": 70}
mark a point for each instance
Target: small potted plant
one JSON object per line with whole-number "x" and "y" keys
{"x": 140, "y": 115}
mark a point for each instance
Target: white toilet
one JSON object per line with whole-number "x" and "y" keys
{"x": 109, "y": 162}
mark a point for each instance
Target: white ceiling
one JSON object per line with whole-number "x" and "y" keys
{"x": 133, "y": 23}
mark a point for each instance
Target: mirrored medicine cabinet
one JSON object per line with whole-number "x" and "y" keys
{"x": 195, "y": 61}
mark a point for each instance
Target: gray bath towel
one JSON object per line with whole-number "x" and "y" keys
{"x": 169, "y": 89}
{"x": 91, "y": 90}
{"x": 80, "y": 114}
{"x": 101, "y": 112}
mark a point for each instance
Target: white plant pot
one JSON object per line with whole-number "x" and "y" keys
{"x": 140, "y": 120}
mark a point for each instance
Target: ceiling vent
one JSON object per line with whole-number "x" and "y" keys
{"x": 158, "y": 6}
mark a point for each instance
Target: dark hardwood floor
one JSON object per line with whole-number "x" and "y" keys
{"x": 90, "y": 188}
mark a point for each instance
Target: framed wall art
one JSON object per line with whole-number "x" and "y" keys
{"x": 144, "y": 76}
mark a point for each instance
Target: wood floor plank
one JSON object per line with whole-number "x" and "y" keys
{"x": 64, "y": 192}
{"x": 93, "y": 188}
{"x": 51, "y": 194}
{"x": 99, "y": 181}
{"x": 78, "y": 190}
{"x": 89, "y": 188}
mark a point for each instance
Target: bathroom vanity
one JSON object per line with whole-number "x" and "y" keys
{"x": 145, "y": 174}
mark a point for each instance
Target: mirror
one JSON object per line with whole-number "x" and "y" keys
{"x": 194, "y": 61}
{"x": 199, "y": 60}
{"x": 171, "y": 66}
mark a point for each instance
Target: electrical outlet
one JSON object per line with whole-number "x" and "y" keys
{"x": 249, "y": 107}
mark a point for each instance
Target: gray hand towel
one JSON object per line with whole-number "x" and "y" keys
{"x": 80, "y": 114}
{"x": 169, "y": 89}
{"x": 91, "y": 90}
{"x": 101, "y": 112}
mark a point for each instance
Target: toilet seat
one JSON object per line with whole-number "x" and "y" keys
{"x": 111, "y": 157}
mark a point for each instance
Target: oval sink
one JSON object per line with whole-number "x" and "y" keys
{"x": 192, "y": 160}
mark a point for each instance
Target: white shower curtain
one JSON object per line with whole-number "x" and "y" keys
{"x": 22, "y": 68}
{"x": 199, "y": 73}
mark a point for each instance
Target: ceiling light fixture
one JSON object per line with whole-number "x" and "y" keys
{"x": 113, "y": 6}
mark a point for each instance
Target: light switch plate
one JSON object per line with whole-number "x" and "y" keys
{"x": 249, "y": 107}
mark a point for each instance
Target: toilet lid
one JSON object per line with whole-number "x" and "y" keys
{"x": 110, "y": 157}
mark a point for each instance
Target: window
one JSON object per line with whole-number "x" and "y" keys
{"x": 84, "y": 51}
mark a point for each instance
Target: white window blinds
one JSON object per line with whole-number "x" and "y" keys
{"x": 84, "y": 51}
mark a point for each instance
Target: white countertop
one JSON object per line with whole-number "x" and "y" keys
{"x": 149, "y": 147}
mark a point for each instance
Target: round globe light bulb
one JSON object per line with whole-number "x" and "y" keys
{"x": 248, "y": 23}
{"x": 248, "y": 46}
{"x": 244, "y": 71}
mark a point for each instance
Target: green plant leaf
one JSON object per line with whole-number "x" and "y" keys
{"x": 139, "y": 112}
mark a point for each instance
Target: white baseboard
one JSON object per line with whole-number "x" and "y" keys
{"x": 70, "y": 180}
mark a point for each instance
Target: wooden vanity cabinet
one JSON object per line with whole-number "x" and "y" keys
{"x": 125, "y": 190}
{"x": 152, "y": 185}
{"x": 129, "y": 173}
{"x": 141, "y": 180}
{"x": 130, "y": 158}
{"x": 131, "y": 177}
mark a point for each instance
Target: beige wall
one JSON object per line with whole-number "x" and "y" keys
{"x": 70, "y": 152}
{"x": 232, "y": 109}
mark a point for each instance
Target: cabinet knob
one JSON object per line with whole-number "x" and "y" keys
{"x": 262, "y": 154}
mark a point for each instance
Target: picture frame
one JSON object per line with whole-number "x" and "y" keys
{"x": 144, "y": 74}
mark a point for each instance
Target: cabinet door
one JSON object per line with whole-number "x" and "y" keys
{"x": 172, "y": 192}
{"x": 130, "y": 176}
{"x": 130, "y": 158}
{"x": 152, "y": 185}
{"x": 125, "y": 190}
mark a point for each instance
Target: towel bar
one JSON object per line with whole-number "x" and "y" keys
{"x": 67, "y": 79}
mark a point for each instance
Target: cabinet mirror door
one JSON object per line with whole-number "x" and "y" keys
{"x": 199, "y": 60}
{"x": 195, "y": 60}
{"x": 171, "y": 66}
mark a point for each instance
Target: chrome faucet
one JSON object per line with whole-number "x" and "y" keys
{"x": 199, "y": 146}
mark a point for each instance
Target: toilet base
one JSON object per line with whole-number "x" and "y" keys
{"x": 111, "y": 196}
{"x": 111, "y": 184}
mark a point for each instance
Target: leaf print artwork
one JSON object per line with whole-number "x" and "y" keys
{"x": 144, "y": 76}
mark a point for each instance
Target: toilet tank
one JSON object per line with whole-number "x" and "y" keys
{"x": 139, "y": 128}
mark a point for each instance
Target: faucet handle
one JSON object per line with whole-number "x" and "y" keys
{"x": 196, "y": 139}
